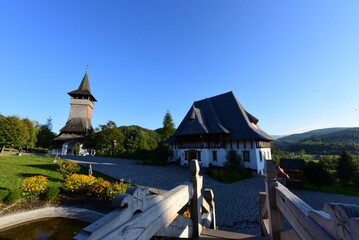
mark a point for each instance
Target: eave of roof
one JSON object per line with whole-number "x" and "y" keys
{"x": 77, "y": 125}
{"x": 69, "y": 136}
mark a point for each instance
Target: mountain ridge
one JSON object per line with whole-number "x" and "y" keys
{"x": 321, "y": 141}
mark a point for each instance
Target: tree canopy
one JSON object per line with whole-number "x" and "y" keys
{"x": 13, "y": 132}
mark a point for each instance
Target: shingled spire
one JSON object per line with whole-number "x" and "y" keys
{"x": 83, "y": 92}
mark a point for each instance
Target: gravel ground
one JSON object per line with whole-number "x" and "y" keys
{"x": 236, "y": 203}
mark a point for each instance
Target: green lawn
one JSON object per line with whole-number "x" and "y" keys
{"x": 13, "y": 169}
{"x": 344, "y": 190}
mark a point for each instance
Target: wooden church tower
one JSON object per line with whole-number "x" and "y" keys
{"x": 78, "y": 126}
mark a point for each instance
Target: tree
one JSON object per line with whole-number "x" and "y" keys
{"x": 234, "y": 161}
{"x": 45, "y": 136}
{"x": 49, "y": 123}
{"x": 317, "y": 174}
{"x": 168, "y": 126}
{"x": 13, "y": 132}
{"x": 109, "y": 138}
{"x": 346, "y": 167}
{"x": 32, "y": 128}
{"x": 138, "y": 138}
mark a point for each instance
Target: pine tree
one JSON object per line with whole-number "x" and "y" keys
{"x": 346, "y": 167}
{"x": 168, "y": 126}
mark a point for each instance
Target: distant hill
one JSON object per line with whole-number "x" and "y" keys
{"x": 321, "y": 141}
{"x": 278, "y": 136}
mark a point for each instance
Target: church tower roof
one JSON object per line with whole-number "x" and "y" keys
{"x": 83, "y": 90}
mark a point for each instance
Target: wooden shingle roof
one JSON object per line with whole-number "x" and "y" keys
{"x": 220, "y": 114}
{"x": 83, "y": 90}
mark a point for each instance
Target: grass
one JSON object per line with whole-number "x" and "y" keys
{"x": 344, "y": 190}
{"x": 13, "y": 169}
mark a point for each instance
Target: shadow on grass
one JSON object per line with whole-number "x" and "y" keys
{"x": 47, "y": 167}
{"x": 52, "y": 179}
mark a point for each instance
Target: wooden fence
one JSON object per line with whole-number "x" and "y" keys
{"x": 139, "y": 216}
{"x": 337, "y": 221}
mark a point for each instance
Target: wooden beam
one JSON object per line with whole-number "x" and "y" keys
{"x": 181, "y": 227}
{"x": 289, "y": 235}
{"x": 274, "y": 215}
{"x": 196, "y": 201}
{"x": 156, "y": 218}
{"x": 208, "y": 195}
{"x": 296, "y": 212}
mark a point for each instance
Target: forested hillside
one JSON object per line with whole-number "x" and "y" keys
{"x": 322, "y": 141}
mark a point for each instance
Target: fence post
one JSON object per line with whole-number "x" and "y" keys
{"x": 209, "y": 196}
{"x": 196, "y": 201}
{"x": 274, "y": 215}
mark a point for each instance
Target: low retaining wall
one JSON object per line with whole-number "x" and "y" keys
{"x": 81, "y": 214}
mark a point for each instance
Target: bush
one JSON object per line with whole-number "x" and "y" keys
{"x": 33, "y": 186}
{"x": 116, "y": 188}
{"x": 316, "y": 174}
{"x": 158, "y": 156}
{"x": 13, "y": 196}
{"x": 67, "y": 168}
{"x": 51, "y": 193}
{"x": 98, "y": 188}
{"x": 93, "y": 186}
{"x": 78, "y": 183}
{"x": 229, "y": 176}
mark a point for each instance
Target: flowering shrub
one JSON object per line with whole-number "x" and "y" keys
{"x": 33, "y": 186}
{"x": 93, "y": 186}
{"x": 68, "y": 168}
{"x": 78, "y": 183}
{"x": 98, "y": 188}
{"x": 116, "y": 188}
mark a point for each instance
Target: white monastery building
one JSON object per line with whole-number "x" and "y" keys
{"x": 78, "y": 126}
{"x": 216, "y": 125}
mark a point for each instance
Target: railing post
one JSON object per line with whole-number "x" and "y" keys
{"x": 196, "y": 201}
{"x": 209, "y": 196}
{"x": 274, "y": 215}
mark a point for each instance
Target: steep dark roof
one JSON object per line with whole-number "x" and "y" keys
{"x": 220, "y": 114}
{"x": 75, "y": 129}
{"x": 292, "y": 163}
{"x": 69, "y": 136}
{"x": 77, "y": 125}
{"x": 83, "y": 90}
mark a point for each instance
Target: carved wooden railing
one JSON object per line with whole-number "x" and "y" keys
{"x": 139, "y": 216}
{"x": 337, "y": 221}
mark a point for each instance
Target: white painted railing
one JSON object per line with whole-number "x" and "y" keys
{"x": 139, "y": 216}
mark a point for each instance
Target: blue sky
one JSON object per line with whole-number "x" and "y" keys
{"x": 292, "y": 64}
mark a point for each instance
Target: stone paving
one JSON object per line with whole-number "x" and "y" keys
{"x": 236, "y": 203}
